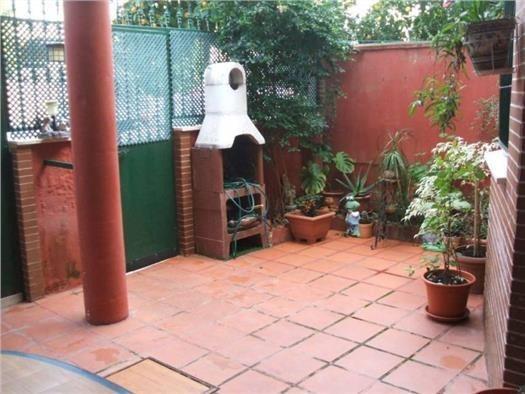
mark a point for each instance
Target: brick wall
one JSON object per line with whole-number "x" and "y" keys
{"x": 46, "y": 217}
{"x": 385, "y": 77}
{"x": 505, "y": 277}
{"x": 27, "y": 217}
{"x": 184, "y": 139}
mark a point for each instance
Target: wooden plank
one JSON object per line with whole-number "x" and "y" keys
{"x": 149, "y": 376}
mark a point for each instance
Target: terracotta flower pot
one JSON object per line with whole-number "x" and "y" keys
{"x": 332, "y": 198}
{"x": 489, "y": 45}
{"x": 501, "y": 390}
{"x": 309, "y": 229}
{"x": 366, "y": 230}
{"x": 448, "y": 302}
{"x": 474, "y": 265}
{"x": 280, "y": 234}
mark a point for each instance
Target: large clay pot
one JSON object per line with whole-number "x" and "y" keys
{"x": 489, "y": 45}
{"x": 309, "y": 229}
{"x": 332, "y": 199}
{"x": 366, "y": 230}
{"x": 448, "y": 302}
{"x": 474, "y": 265}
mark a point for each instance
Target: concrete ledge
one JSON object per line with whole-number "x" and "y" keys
{"x": 183, "y": 129}
{"x": 497, "y": 164}
{"x": 382, "y": 46}
{"x": 15, "y": 143}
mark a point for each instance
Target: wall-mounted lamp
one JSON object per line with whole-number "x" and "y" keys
{"x": 51, "y": 107}
{"x": 55, "y": 51}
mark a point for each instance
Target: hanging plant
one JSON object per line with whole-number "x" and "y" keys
{"x": 489, "y": 45}
{"x": 440, "y": 96}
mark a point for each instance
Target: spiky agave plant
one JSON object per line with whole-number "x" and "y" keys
{"x": 357, "y": 187}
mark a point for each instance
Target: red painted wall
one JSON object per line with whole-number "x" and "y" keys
{"x": 379, "y": 84}
{"x": 57, "y": 217}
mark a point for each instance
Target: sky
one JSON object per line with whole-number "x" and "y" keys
{"x": 360, "y": 8}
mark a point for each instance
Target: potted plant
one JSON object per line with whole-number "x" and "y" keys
{"x": 488, "y": 39}
{"x": 309, "y": 224}
{"x": 449, "y": 193}
{"x": 448, "y": 285}
{"x": 465, "y": 165}
{"x": 358, "y": 187}
{"x": 394, "y": 167}
{"x": 502, "y": 390}
{"x": 447, "y": 288}
{"x": 366, "y": 224}
{"x": 440, "y": 97}
{"x": 342, "y": 163}
{"x": 316, "y": 174}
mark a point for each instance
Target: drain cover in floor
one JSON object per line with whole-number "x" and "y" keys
{"x": 150, "y": 376}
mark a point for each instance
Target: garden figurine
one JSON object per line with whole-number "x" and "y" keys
{"x": 352, "y": 223}
{"x": 352, "y": 216}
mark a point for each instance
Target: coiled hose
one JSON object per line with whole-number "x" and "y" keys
{"x": 246, "y": 212}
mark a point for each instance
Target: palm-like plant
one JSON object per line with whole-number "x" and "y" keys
{"x": 395, "y": 161}
{"x": 358, "y": 186}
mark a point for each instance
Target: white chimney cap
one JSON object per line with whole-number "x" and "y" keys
{"x": 226, "y": 115}
{"x": 219, "y": 73}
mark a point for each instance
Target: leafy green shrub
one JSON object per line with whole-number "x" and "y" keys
{"x": 314, "y": 178}
{"x": 443, "y": 198}
{"x": 401, "y": 20}
{"x": 288, "y": 48}
{"x": 309, "y": 204}
{"x": 440, "y": 96}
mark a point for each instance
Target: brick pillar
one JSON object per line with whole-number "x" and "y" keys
{"x": 184, "y": 139}
{"x": 27, "y": 216}
{"x": 514, "y": 365}
{"x": 505, "y": 276}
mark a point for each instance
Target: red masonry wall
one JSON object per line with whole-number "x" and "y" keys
{"x": 379, "y": 84}
{"x": 57, "y": 217}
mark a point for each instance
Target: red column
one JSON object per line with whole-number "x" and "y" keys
{"x": 92, "y": 109}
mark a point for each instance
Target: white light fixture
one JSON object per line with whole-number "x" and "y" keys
{"x": 52, "y": 107}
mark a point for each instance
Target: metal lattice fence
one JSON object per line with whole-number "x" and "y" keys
{"x": 158, "y": 77}
{"x": 197, "y": 49}
{"x": 142, "y": 85}
{"x": 30, "y": 77}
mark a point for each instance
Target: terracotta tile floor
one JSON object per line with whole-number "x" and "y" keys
{"x": 334, "y": 317}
